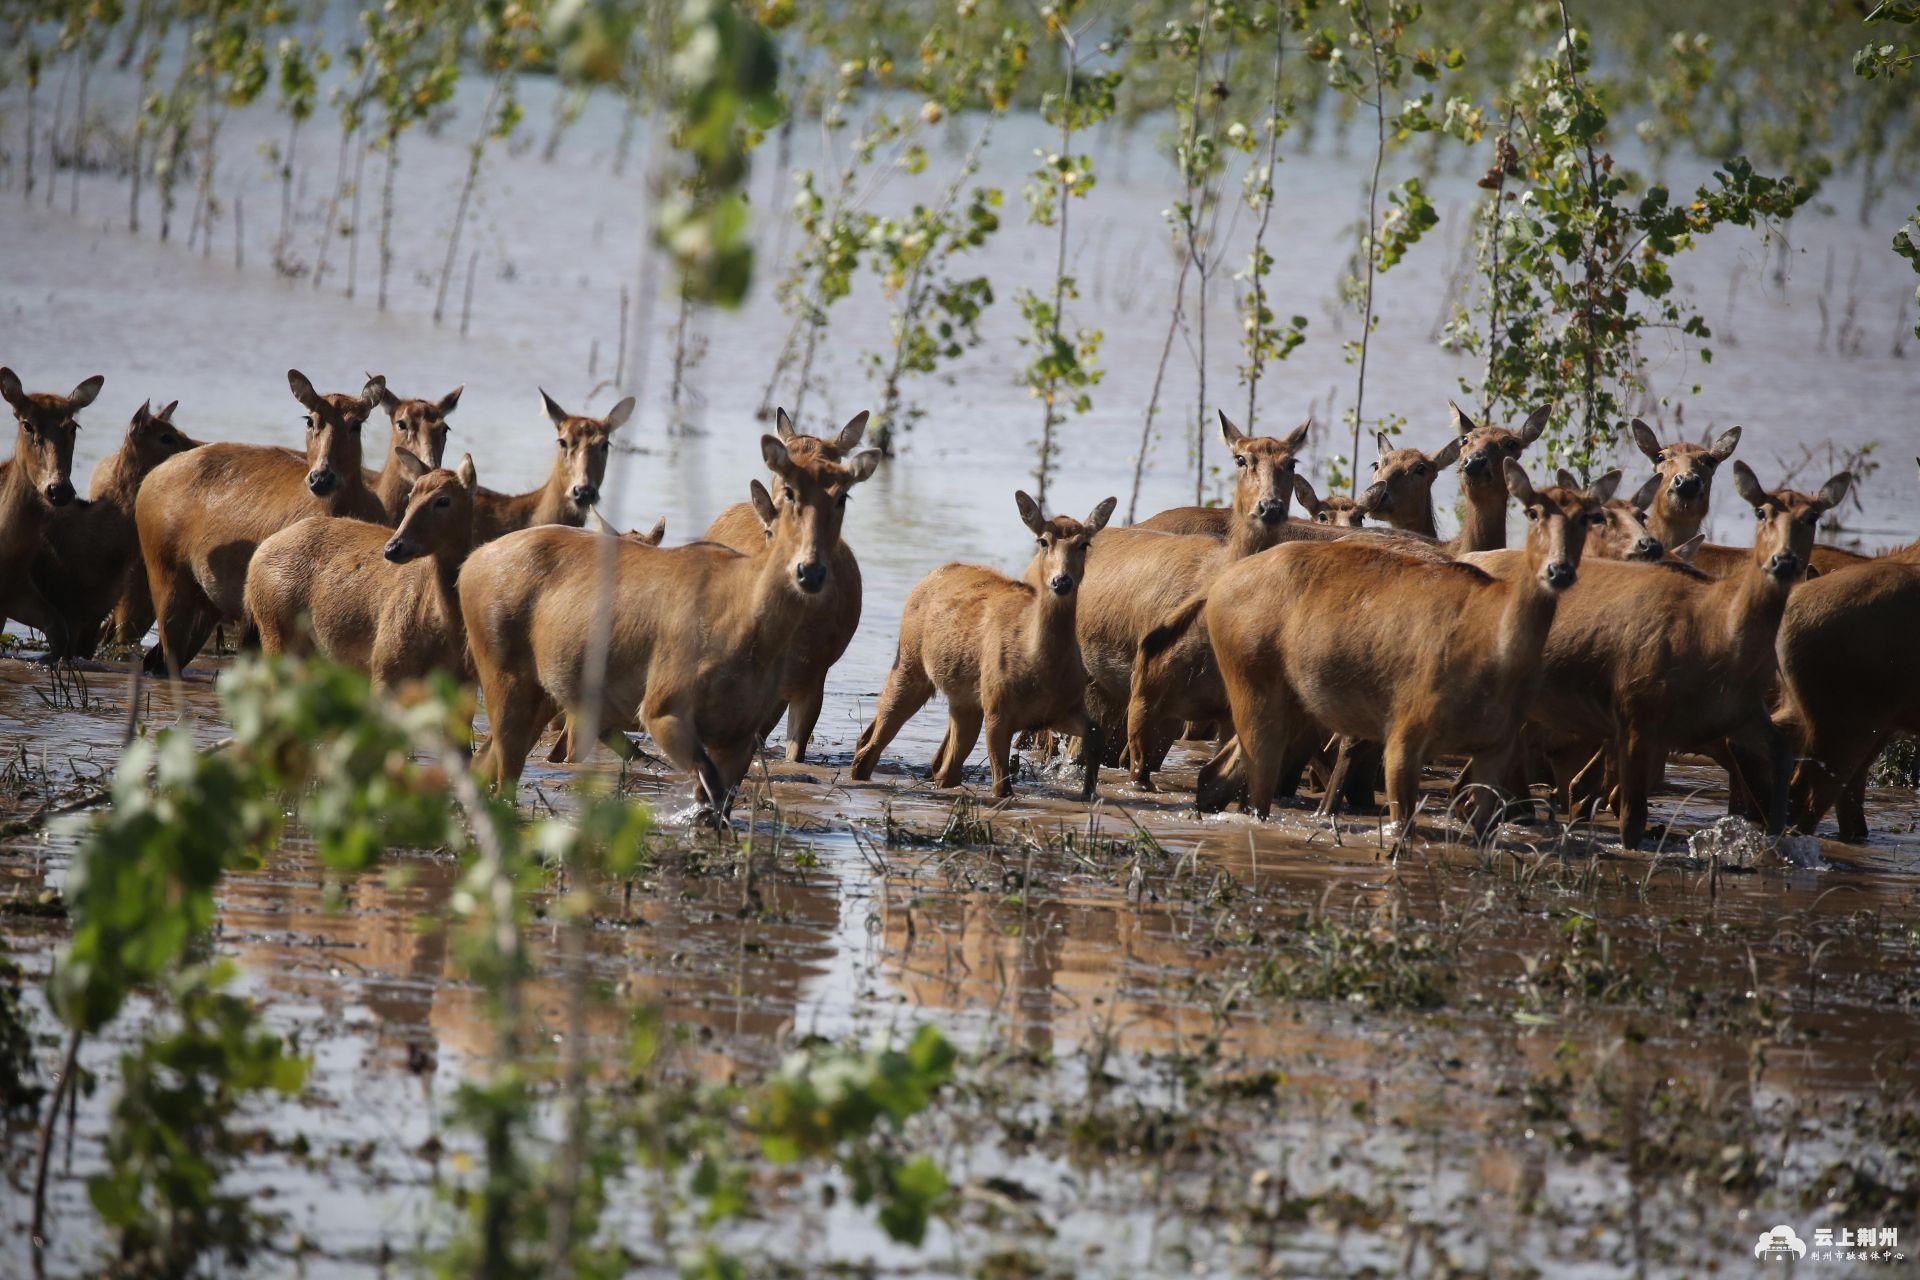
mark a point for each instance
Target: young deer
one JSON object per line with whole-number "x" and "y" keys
{"x": 1652, "y": 658}
{"x": 200, "y": 515}
{"x": 1683, "y": 481}
{"x": 383, "y": 600}
{"x": 88, "y": 566}
{"x": 834, "y": 609}
{"x": 1262, "y": 486}
{"x": 1003, "y": 653}
{"x": 34, "y": 482}
{"x": 572, "y": 487}
{"x": 420, "y": 433}
{"x": 1405, "y": 480}
{"x": 1334, "y": 510}
{"x": 698, "y": 633}
{"x": 1429, "y": 657}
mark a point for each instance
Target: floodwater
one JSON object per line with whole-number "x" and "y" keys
{"x": 1594, "y": 1064}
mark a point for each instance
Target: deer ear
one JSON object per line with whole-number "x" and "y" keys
{"x": 1536, "y": 423}
{"x": 775, "y": 455}
{"x": 654, "y": 536}
{"x": 1834, "y": 491}
{"x": 864, "y": 464}
{"x": 1228, "y": 431}
{"x": 555, "y": 414}
{"x": 1685, "y": 552}
{"x": 1747, "y": 485}
{"x": 84, "y": 393}
{"x": 166, "y": 414}
{"x": 468, "y": 476}
{"x": 1462, "y": 424}
{"x": 762, "y": 505}
{"x": 849, "y": 437}
{"x": 783, "y": 424}
{"x": 1029, "y": 511}
{"x": 1566, "y": 479}
{"x": 11, "y": 389}
{"x": 303, "y": 391}
{"x": 410, "y": 466}
{"x": 1643, "y": 437}
{"x": 1297, "y": 438}
{"x": 618, "y": 415}
{"x": 1371, "y": 498}
{"x": 451, "y": 401}
{"x": 1643, "y": 496}
{"x": 1723, "y": 448}
{"x": 1303, "y": 490}
{"x": 1518, "y": 485}
{"x": 1101, "y": 514}
{"x": 1602, "y": 490}
{"x": 1381, "y": 444}
{"x": 375, "y": 392}
{"x": 1449, "y": 453}
{"x": 142, "y": 416}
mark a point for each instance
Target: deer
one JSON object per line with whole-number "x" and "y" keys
{"x": 88, "y": 565}
{"x": 35, "y": 482}
{"x": 697, "y": 634}
{"x": 1334, "y": 510}
{"x": 1258, "y": 462}
{"x": 1617, "y": 531}
{"x": 1649, "y": 658}
{"x": 1683, "y": 480}
{"x": 381, "y": 599}
{"x": 564, "y": 748}
{"x": 1430, "y": 656}
{"x": 1003, "y": 653}
{"x": 200, "y": 515}
{"x": 573, "y": 485}
{"x": 419, "y": 432}
{"x": 835, "y": 608}
{"x": 1405, "y": 478}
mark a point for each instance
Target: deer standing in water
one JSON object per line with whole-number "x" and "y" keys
{"x": 88, "y": 566}
{"x": 34, "y": 482}
{"x": 200, "y": 515}
{"x": 698, "y": 633}
{"x": 419, "y": 443}
{"x": 1003, "y": 653}
{"x": 383, "y": 600}
{"x": 1428, "y": 657}
{"x": 1404, "y": 480}
{"x": 573, "y": 485}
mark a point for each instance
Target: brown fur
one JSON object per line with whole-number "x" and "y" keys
{"x": 36, "y": 480}
{"x": 1334, "y": 510}
{"x": 383, "y": 600}
{"x": 1683, "y": 474}
{"x": 1429, "y": 656}
{"x": 1617, "y": 531}
{"x": 1405, "y": 478}
{"x": 201, "y": 515}
{"x": 89, "y": 563}
{"x": 1003, "y": 654}
{"x": 419, "y": 440}
{"x": 834, "y": 611}
{"x": 698, "y": 633}
{"x": 572, "y": 487}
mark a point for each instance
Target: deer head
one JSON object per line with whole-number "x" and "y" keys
{"x": 419, "y": 426}
{"x": 584, "y": 444}
{"x": 333, "y": 430}
{"x": 43, "y": 446}
{"x": 154, "y": 437}
{"x": 1341, "y": 513}
{"x": 439, "y": 517}
{"x": 812, "y": 491}
{"x": 1484, "y": 450}
{"x": 1264, "y": 468}
{"x": 1063, "y": 541}
{"x": 1684, "y": 471}
{"x": 1783, "y": 543}
{"x": 1558, "y": 521}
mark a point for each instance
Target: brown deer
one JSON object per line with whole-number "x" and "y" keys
{"x": 1429, "y": 657}
{"x": 201, "y": 515}
{"x": 383, "y": 600}
{"x": 698, "y": 633}
{"x": 1617, "y": 531}
{"x": 562, "y": 724}
{"x": 834, "y": 610}
{"x": 1652, "y": 658}
{"x": 34, "y": 482}
{"x": 1683, "y": 480}
{"x": 88, "y": 566}
{"x": 1263, "y": 471}
{"x": 1406, "y": 476}
{"x": 572, "y": 487}
{"x": 419, "y": 431}
{"x": 1335, "y": 510}
{"x": 1003, "y": 653}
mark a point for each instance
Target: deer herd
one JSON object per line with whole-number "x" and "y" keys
{"x": 1350, "y": 645}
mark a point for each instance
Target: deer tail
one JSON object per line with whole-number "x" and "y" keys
{"x": 1168, "y": 633}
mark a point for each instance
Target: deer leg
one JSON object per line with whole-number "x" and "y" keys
{"x": 803, "y": 712}
{"x": 133, "y": 615}
{"x": 1850, "y": 805}
{"x": 1403, "y": 777}
{"x": 1078, "y": 723}
{"x": 187, "y": 618}
{"x": 1336, "y": 778}
{"x": 517, "y": 707}
{"x": 1264, "y": 744}
{"x": 907, "y": 690}
{"x": 950, "y": 762}
{"x": 562, "y": 750}
{"x": 1634, "y": 771}
{"x": 1222, "y": 779}
{"x": 999, "y": 749}
{"x": 677, "y": 739}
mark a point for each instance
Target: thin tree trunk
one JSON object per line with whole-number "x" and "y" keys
{"x": 1257, "y": 360}
{"x": 53, "y": 134}
{"x": 474, "y": 154}
{"x": 386, "y": 214}
{"x": 1589, "y": 373}
{"x": 1488, "y": 396}
{"x": 33, "y": 96}
{"x": 1059, "y": 291}
{"x": 1373, "y": 221}
{"x": 286, "y": 188}
{"x": 1159, "y": 376}
{"x": 353, "y": 224}
{"x": 78, "y": 152}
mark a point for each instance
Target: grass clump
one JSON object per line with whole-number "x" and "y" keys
{"x": 1380, "y": 962}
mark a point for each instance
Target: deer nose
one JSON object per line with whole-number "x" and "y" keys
{"x": 1475, "y": 464}
{"x": 398, "y": 550}
{"x": 1559, "y": 575}
{"x": 811, "y": 576}
{"x": 1784, "y": 565}
{"x": 60, "y": 493}
{"x": 322, "y": 482}
{"x": 1687, "y": 485}
{"x": 1270, "y": 512}
{"x": 1061, "y": 584}
{"x": 584, "y": 495}
{"x": 1648, "y": 549}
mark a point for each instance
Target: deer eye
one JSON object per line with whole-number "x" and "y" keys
{"x": 443, "y": 501}
{"x": 841, "y": 501}
{"x": 1321, "y": 516}
{"x": 1420, "y": 469}
{"x": 1597, "y": 518}
{"x": 1533, "y": 513}
{"x": 1239, "y": 460}
{"x": 786, "y": 491}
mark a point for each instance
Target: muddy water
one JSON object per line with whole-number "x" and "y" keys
{"x": 1165, "y": 1091}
